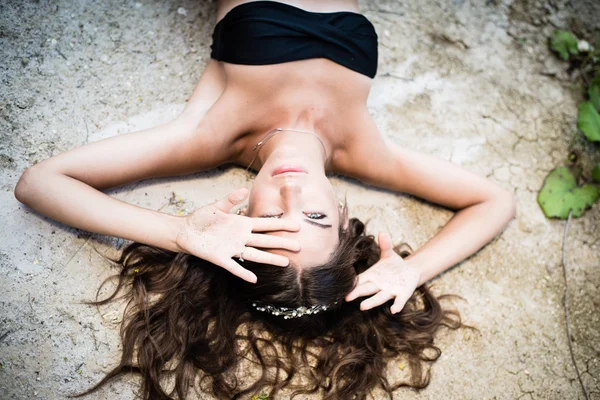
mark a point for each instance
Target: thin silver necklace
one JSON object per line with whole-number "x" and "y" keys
{"x": 275, "y": 132}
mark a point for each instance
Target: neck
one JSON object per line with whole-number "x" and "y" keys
{"x": 291, "y": 146}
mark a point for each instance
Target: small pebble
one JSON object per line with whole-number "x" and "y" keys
{"x": 583, "y": 46}
{"x": 181, "y": 11}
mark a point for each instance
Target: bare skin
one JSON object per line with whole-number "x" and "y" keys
{"x": 229, "y": 111}
{"x": 316, "y": 94}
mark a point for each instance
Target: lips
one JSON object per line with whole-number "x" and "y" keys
{"x": 288, "y": 168}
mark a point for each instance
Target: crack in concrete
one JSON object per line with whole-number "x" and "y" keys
{"x": 530, "y": 394}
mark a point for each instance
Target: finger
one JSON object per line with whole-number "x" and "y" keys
{"x": 365, "y": 289}
{"x": 233, "y": 198}
{"x": 274, "y": 224}
{"x": 242, "y": 211}
{"x": 377, "y": 300}
{"x": 364, "y": 277}
{"x": 237, "y": 270}
{"x": 259, "y": 256}
{"x": 273, "y": 242}
{"x": 399, "y": 302}
{"x": 385, "y": 244}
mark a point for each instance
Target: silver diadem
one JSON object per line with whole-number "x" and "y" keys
{"x": 288, "y": 313}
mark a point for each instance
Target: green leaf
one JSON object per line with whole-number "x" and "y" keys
{"x": 560, "y": 194}
{"x": 596, "y": 173}
{"x": 564, "y": 43}
{"x": 580, "y": 198}
{"x": 594, "y": 92}
{"x": 589, "y": 121}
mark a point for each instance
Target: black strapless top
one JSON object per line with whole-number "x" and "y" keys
{"x": 269, "y": 32}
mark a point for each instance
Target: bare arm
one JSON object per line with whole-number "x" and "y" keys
{"x": 79, "y": 205}
{"x": 67, "y": 187}
{"x": 483, "y": 210}
{"x": 483, "y": 207}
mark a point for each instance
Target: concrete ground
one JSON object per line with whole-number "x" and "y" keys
{"x": 468, "y": 81}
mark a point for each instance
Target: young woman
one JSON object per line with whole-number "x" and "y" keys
{"x": 284, "y": 94}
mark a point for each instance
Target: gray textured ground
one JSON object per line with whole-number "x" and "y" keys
{"x": 468, "y": 81}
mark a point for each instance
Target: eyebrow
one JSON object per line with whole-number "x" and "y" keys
{"x": 322, "y": 226}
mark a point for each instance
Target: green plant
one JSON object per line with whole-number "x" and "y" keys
{"x": 560, "y": 193}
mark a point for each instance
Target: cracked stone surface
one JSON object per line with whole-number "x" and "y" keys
{"x": 468, "y": 81}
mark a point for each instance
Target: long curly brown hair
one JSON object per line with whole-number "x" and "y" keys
{"x": 187, "y": 318}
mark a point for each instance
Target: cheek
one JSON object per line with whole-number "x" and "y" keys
{"x": 328, "y": 195}
{"x": 257, "y": 198}
{"x": 253, "y": 200}
{"x": 326, "y": 187}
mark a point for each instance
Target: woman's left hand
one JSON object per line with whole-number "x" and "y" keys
{"x": 389, "y": 278}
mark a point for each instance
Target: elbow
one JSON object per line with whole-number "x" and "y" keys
{"x": 21, "y": 186}
{"x": 503, "y": 204}
{"x": 508, "y": 203}
{"x": 25, "y": 184}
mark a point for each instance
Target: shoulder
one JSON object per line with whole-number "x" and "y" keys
{"x": 362, "y": 151}
{"x": 372, "y": 160}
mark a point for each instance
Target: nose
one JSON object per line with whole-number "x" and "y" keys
{"x": 290, "y": 189}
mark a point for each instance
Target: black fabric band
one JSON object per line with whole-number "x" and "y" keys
{"x": 270, "y": 32}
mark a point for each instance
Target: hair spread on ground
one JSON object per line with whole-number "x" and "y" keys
{"x": 190, "y": 325}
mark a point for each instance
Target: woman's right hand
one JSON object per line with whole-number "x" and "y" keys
{"x": 215, "y": 235}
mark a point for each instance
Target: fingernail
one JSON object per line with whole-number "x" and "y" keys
{"x": 234, "y": 198}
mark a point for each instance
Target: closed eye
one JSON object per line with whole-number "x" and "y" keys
{"x": 310, "y": 215}
{"x": 271, "y": 216}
